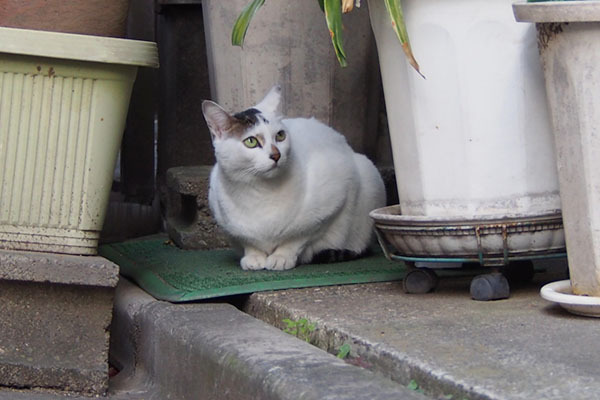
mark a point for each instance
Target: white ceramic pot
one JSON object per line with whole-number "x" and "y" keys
{"x": 569, "y": 41}
{"x": 63, "y": 103}
{"x": 474, "y": 138}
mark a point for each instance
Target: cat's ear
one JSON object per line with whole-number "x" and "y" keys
{"x": 218, "y": 120}
{"x": 271, "y": 101}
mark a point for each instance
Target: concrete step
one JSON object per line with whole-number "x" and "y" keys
{"x": 215, "y": 351}
{"x": 445, "y": 343}
{"x": 448, "y": 344}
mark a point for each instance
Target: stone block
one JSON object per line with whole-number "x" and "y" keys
{"x": 55, "y": 320}
{"x": 189, "y": 221}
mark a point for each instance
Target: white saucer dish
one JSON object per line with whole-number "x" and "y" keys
{"x": 560, "y": 293}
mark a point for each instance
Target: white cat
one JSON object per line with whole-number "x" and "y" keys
{"x": 286, "y": 190}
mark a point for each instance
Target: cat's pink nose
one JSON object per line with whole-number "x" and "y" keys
{"x": 275, "y": 154}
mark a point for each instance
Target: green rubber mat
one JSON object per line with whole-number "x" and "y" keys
{"x": 169, "y": 273}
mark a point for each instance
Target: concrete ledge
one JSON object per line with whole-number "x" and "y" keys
{"x": 57, "y": 268}
{"x": 54, "y": 336}
{"x": 214, "y": 351}
{"x": 55, "y": 319}
{"x": 519, "y": 348}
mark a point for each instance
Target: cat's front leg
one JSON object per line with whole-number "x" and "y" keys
{"x": 285, "y": 256}
{"x": 253, "y": 259}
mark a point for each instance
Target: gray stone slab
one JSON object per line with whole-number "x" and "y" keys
{"x": 37, "y": 394}
{"x": 54, "y": 336}
{"x": 190, "y": 180}
{"x": 519, "y": 348}
{"x": 214, "y": 351}
{"x": 29, "y": 394}
{"x": 189, "y": 220}
{"x": 55, "y": 319}
{"x": 57, "y": 268}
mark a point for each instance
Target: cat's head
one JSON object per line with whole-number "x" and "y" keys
{"x": 252, "y": 143}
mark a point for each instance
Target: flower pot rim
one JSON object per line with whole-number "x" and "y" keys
{"x": 78, "y": 47}
{"x": 392, "y": 214}
{"x": 557, "y": 11}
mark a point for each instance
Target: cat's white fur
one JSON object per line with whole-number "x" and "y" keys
{"x": 316, "y": 197}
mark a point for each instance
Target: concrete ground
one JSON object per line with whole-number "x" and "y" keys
{"x": 444, "y": 344}
{"x": 448, "y": 344}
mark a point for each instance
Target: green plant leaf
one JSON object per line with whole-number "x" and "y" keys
{"x": 333, "y": 15}
{"x": 413, "y": 385}
{"x": 394, "y": 9}
{"x": 290, "y": 326}
{"x": 343, "y": 351}
{"x": 301, "y": 328}
{"x": 238, "y": 34}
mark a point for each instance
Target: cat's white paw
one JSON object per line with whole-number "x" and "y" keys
{"x": 253, "y": 262}
{"x": 278, "y": 262}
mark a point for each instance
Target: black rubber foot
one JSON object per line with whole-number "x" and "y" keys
{"x": 519, "y": 271}
{"x": 420, "y": 281}
{"x": 490, "y": 287}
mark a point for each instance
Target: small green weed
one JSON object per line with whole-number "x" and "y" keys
{"x": 413, "y": 385}
{"x": 343, "y": 351}
{"x": 301, "y": 328}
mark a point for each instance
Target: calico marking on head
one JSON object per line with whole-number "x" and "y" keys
{"x": 251, "y": 116}
{"x": 222, "y": 124}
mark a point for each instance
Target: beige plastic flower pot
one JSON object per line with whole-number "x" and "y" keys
{"x": 63, "y": 103}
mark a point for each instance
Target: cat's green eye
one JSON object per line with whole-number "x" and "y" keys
{"x": 251, "y": 142}
{"x": 280, "y": 136}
